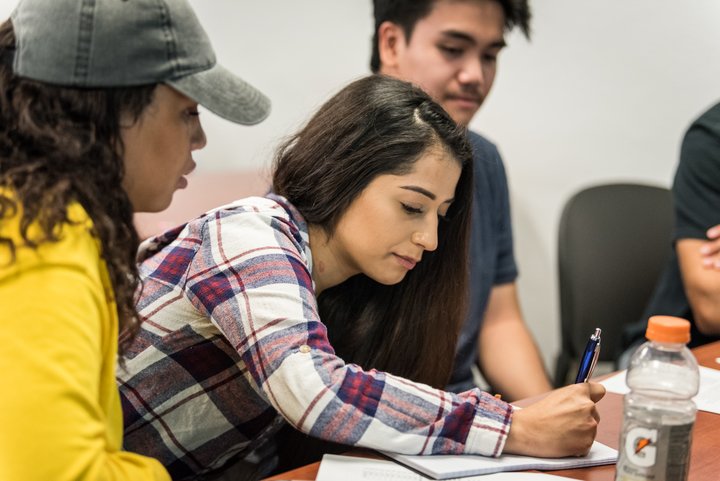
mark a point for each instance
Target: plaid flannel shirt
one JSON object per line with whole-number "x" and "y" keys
{"x": 231, "y": 337}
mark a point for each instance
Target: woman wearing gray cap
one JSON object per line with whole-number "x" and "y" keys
{"x": 98, "y": 119}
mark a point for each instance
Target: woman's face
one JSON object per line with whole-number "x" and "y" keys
{"x": 394, "y": 220}
{"x": 158, "y": 149}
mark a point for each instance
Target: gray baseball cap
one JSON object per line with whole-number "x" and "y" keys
{"x": 123, "y": 43}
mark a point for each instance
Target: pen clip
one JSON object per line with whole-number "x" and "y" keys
{"x": 596, "y": 353}
{"x": 590, "y": 357}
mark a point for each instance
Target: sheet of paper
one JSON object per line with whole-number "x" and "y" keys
{"x": 454, "y": 466}
{"x": 707, "y": 399}
{"x": 348, "y": 468}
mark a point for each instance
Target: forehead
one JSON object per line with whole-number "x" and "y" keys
{"x": 481, "y": 20}
{"x": 433, "y": 163}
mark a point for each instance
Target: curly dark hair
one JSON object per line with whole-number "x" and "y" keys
{"x": 60, "y": 145}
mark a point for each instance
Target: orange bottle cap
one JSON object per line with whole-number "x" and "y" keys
{"x": 668, "y": 329}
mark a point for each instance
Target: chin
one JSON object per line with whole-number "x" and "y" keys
{"x": 156, "y": 205}
{"x": 387, "y": 280}
{"x": 462, "y": 119}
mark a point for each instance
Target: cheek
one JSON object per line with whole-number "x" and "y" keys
{"x": 368, "y": 229}
{"x": 386, "y": 230}
{"x": 430, "y": 72}
{"x": 489, "y": 76}
{"x": 170, "y": 150}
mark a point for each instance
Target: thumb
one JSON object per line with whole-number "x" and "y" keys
{"x": 597, "y": 391}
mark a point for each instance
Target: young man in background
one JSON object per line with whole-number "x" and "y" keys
{"x": 450, "y": 48}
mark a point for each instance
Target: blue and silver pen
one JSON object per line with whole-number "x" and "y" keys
{"x": 589, "y": 358}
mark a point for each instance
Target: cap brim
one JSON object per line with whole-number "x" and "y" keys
{"x": 225, "y": 94}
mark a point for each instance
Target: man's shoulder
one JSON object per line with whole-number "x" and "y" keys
{"x": 708, "y": 121}
{"x": 711, "y": 115}
{"x": 699, "y": 155}
{"x": 481, "y": 143}
{"x": 487, "y": 161}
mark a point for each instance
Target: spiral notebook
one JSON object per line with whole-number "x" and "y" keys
{"x": 457, "y": 466}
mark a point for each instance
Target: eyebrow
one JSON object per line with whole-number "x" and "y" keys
{"x": 460, "y": 35}
{"x": 424, "y": 192}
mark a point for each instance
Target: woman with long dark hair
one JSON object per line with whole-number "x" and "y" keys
{"x": 363, "y": 240}
{"x": 98, "y": 119}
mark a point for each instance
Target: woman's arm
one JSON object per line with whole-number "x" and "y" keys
{"x": 59, "y": 409}
{"x": 251, "y": 277}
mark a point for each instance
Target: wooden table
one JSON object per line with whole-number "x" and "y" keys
{"x": 705, "y": 456}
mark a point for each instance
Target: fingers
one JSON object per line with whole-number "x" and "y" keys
{"x": 588, "y": 417}
{"x": 597, "y": 391}
{"x": 562, "y": 424}
{"x": 714, "y": 232}
{"x": 710, "y": 250}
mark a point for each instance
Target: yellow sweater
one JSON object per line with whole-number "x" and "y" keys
{"x": 60, "y": 416}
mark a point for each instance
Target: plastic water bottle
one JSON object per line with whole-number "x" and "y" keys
{"x": 659, "y": 412}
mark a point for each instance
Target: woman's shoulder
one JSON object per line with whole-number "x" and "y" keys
{"x": 271, "y": 205}
{"x": 75, "y": 247}
{"x": 241, "y": 223}
{"x": 271, "y": 212}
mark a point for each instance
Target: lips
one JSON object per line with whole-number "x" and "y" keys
{"x": 471, "y": 101}
{"x": 191, "y": 168}
{"x": 407, "y": 262}
{"x": 182, "y": 181}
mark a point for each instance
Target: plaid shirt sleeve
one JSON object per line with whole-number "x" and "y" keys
{"x": 251, "y": 275}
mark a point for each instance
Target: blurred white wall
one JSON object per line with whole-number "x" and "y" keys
{"x": 602, "y": 93}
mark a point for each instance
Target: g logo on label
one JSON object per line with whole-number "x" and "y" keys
{"x": 640, "y": 446}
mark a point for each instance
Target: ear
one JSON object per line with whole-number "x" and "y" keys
{"x": 391, "y": 42}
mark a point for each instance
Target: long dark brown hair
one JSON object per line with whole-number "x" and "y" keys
{"x": 378, "y": 125}
{"x": 61, "y": 145}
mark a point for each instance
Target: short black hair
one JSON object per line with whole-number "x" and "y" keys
{"x": 406, "y": 14}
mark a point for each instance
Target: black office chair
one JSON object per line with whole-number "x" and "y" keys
{"x": 614, "y": 241}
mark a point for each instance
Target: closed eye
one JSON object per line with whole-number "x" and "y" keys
{"x": 410, "y": 209}
{"x": 451, "y": 51}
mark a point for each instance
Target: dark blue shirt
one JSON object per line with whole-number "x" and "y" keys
{"x": 492, "y": 261}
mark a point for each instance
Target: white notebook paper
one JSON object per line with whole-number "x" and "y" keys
{"x": 457, "y": 466}
{"x": 707, "y": 399}
{"x": 350, "y": 468}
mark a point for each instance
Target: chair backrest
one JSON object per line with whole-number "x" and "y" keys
{"x": 614, "y": 241}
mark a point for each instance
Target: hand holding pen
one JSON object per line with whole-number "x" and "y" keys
{"x": 563, "y": 423}
{"x": 589, "y": 358}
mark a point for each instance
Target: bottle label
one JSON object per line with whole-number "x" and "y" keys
{"x": 654, "y": 453}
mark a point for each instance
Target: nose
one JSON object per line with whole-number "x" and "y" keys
{"x": 198, "y": 140}
{"x": 426, "y": 238}
{"x": 471, "y": 72}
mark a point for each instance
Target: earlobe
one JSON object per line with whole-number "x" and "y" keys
{"x": 390, "y": 37}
